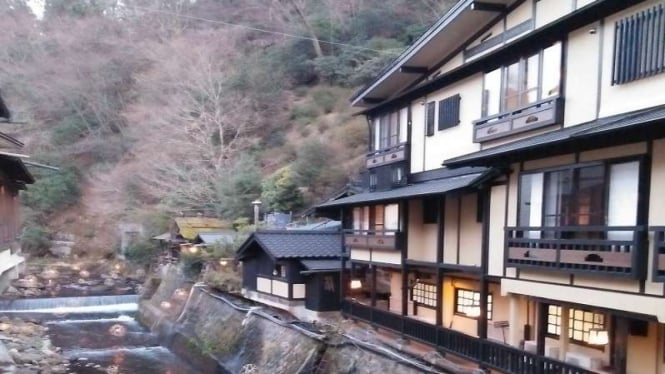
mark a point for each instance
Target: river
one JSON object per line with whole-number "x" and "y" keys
{"x": 99, "y": 334}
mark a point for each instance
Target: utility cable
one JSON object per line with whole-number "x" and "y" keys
{"x": 252, "y": 28}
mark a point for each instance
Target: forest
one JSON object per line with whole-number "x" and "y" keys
{"x": 158, "y": 107}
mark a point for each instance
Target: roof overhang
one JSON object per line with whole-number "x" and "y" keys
{"x": 427, "y": 188}
{"x": 460, "y": 25}
{"x": 532, "y": 41}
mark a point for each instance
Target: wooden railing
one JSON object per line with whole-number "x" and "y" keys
{"x": 658, "y": 253}
{"x": 395, "y": 153}
{"x": 386, "y": 239}
{"x": 489, "y": 354}
{"x": 607, "y": 250}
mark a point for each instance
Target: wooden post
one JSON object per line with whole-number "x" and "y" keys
{"x": 541, "y": 328}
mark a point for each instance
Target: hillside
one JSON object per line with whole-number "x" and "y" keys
{"x": 156, "y": 107}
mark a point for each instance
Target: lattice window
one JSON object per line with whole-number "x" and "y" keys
{"x": 424, "y": 294}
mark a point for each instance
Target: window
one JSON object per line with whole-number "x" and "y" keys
{"x": 280, "y": 271}
{"x": 530, "y": 79}
{"x": 602, "y": 194}
{"x": 387, "y": 130}
{"x": 430, "y": 117}
{"x": 376, "y": 218}
{"x": 449, "y": 112}
{"x": 639, "y": 45}
{"x": 430, "y": 210}
{"x": 579, "y": 323}
{"x": 424, "y": 294}
{"x": 466, "y": 300}
{"x": 398, "y": 174}
{"x": 373, "y": 180}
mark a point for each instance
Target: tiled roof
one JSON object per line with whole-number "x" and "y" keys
{"x": 318, "y": 265}
{"x": 577, "y": 132}
{"x": 192, "y": 226}
{"x": 296, "y": 244}
{"x": 421, "y": 189}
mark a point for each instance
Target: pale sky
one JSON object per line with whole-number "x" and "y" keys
{"x": 37, "y": 7}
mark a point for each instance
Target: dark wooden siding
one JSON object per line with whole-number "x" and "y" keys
{"x": 9, "y": 214}
{"x": 322, "y": 292}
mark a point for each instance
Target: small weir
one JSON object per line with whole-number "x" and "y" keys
{"x": 99, "y": 334}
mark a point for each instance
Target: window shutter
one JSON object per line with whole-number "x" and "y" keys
{"x": 639, "y": 46}
{"x": 431, "y": 112}
{"x": 449, "y": 112}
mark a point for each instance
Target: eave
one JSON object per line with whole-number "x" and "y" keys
{"x": 530, "y": 42}
{"x": 450, "y": 33}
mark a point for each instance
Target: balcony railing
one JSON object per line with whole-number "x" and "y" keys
{"x": 658, "y": 253}
{"x": 386, "y": 239}
{"x": 533, "y": 116}
{"x": 605, "y": 250}
{"x": 493, "y": 355}
{"x": 396, "y": 153}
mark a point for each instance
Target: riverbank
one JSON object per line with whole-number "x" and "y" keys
{"x": 224, "y": 333}
{"x": 26, "y": 348}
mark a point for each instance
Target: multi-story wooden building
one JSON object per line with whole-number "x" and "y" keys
{"x": 514, "y": 216}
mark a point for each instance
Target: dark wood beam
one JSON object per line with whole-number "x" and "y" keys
{"x": 488, "y": 7}
{"x": 414, "y": 70}
{"x": 373, "y": 100}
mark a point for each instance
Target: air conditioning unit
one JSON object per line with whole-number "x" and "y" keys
{"x": 584, "y": 361}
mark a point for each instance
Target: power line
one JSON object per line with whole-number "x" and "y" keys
{"x": 257, "y": 29}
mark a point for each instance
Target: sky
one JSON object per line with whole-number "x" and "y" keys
{"x": 37, "y": 7}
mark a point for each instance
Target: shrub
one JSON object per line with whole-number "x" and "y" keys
{"x": 53, "y": 191}
{"x": 223, "y": 281}
{"x": 192, "y": 264}
{"x": 142, "y": 253}
{"x": 35, "y": 240}
{"x": 325, "y": 99}
{"x": 304, "y": 112}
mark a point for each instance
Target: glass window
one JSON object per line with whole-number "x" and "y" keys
{"x": 551, "y": 71}
{"x": 580, "y": 322}
{"x": 525, "y": 81}
{"x": 492, "y": 94}
{"x": 392, "y": 217}
{"x": 512, "y": 89}
{"x": 466, "y": 300}
{"x": 383, "y": 217}
{"x": 581, "y": 196}
{"x": 394, "y": 129}
{"x": 424, "y": 294}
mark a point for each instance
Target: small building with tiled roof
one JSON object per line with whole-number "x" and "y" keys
{"x": 294, "y": 270}
{"x": 189, "y": 227}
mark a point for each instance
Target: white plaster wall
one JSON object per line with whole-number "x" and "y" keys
{"x": 450, "y": 234}
{"x": 471, "y": 232}
{"x": 550, "y": 10}
{"x": 263, "y": 284}
{"x": 458, "y": 140}
{"x": 280, "y": 289}
{"x": 496, "y": 231}
{"x": 582, "y": 69}
{"x": 298, "y": 291}
{"x": 639, "y": 94}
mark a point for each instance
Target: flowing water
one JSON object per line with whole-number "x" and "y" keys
{"x": 99, "y": 334}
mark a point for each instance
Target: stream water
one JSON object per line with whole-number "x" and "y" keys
{"x": 99, "y": 334}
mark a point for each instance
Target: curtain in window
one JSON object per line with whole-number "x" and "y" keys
{"x": 623, "y": 195}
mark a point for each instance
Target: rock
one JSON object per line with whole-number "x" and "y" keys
{"x": 61, "y": 248}
{"x": 26, "y": 357}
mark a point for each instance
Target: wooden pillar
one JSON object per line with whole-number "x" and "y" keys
{"x": 482, "y": 319}
{"x": 439, "y": 297}
{"x": 564, "y": 336}
{"x": 514, "y": 320}
{"x": 619, "y": 344}
{"x": 373, "y": 285}
{"x": 541, "y": 328}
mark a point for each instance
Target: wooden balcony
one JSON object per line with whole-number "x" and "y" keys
{"x": 658, "y": 253}
{"x": 592, "y": 250}
{"x": 533, "y": 116}
{"x": 399, "y": 152}
{"x": 391, "y": 240}
{"x": 493, "y": 355}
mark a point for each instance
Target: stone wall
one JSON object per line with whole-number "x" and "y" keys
{"x": 217, "y": 338}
